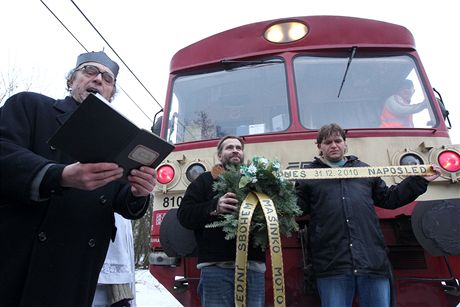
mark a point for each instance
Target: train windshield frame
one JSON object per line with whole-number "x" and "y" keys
{"x": 352, "y": 91}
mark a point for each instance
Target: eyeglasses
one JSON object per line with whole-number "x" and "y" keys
{"x": 93, "y": 71}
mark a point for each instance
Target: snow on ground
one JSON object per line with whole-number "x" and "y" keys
{"x": 150, "y": 293}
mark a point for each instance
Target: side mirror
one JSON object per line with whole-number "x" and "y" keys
{"x": 444, "y": 111}
{"x": 156, "y": 128}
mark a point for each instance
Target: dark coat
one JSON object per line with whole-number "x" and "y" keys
{"x": 51, "y": 251}
{"x": 345, "y": 234}
{"x": 194, "y": 213}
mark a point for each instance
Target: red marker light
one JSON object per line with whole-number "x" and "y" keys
{"x": 165, "y": 174}
{"x": 449, "y": 160}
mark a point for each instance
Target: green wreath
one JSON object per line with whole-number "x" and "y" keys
{"x": 259, "y": 175}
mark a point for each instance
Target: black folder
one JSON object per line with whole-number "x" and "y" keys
{"x": 96, "y": 132}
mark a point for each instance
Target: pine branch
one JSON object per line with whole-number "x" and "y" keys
{"x": 261, "y": 175}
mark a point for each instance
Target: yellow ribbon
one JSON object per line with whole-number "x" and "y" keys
{"x": 357, "y": 172}
{"x": 242, "y": 244}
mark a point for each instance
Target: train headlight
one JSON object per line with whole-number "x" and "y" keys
{"x": 410, "y": 159}
{"x": 407, "y": 157}
{"x": 194, "y": 170}
{"x": 449, "y": 160}
{"x": 165, "y": 174}
{"x": 286, "y": 32}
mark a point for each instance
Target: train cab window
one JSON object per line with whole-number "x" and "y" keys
{"x": 242, "y": 100}
{"x": 373, "y": 92}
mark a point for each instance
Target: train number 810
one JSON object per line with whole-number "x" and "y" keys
{"x": 172, "y": 202}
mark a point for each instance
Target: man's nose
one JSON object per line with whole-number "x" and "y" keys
{"x": 334, "y": 144}
{"x": 98, "y": 77}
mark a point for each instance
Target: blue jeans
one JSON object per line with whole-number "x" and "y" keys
{"x": 340, "y": 290}
{"x": 216, "y": 287}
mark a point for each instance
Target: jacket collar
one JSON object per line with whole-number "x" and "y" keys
{"x": 66, "y": 106}
{"x": 319, "y": 161}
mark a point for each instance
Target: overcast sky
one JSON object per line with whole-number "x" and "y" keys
{"x": 146, "y": 34}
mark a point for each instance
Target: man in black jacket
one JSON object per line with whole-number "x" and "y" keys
{"x": 56, "y": 214}
{"x": 216, "y": 255}
{"x": 347, "y": 245}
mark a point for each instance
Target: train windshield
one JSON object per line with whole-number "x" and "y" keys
{"x": 357, "y": 92}
{"x": 240, "y": 100}
{"x": 354, "y": 92}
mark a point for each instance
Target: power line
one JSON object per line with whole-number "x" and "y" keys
{"x": 63, "y": 25}
{"x": 95, "y": 29}
{"x": 119, "y": 86}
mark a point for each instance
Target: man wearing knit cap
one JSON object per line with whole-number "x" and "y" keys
{"x": 57, "y": 214}
{"x": 102, "y": 72}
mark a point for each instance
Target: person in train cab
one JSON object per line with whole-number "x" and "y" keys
{"x": 57, "y": 214}
{"x": 397, "y": 110}
{"x": 347, "y": 245}
{"x": 216, "y": 255}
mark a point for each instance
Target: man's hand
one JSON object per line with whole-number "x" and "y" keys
{"x": 437, "y": 171}
{"x": 226, "y": 204}
{"x": 142, "y": 181}
{"x": 90, "y": 176}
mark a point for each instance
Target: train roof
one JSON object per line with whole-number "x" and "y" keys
{"x": 324, "y": 32}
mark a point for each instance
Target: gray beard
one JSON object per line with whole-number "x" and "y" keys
{"x": 228, "y": 163}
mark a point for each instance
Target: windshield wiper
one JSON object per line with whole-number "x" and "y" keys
{"x": 353, "y": 51}
{"x": 232, "y": 64}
